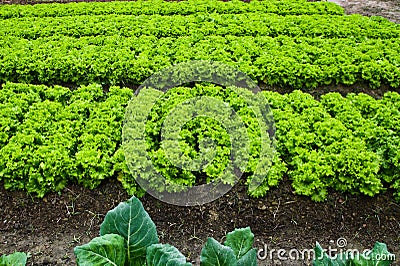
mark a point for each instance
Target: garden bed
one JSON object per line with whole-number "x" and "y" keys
{"x": 51, "y": 227}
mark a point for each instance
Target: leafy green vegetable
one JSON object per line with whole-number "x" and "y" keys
{"x": 104, "y": 250}
{"x": 129, "y": 237}
{"x": 379, "y": 255}
{"x": 215, "y": 254}
{"x": 250, "y": 258}
{"x": 169, "y": 8}
{"x": 206, "y": 24}
{"x": 15, "y": 259}
{"x": 101, "y": 137}
{"x": 322, "y": 259}
{"x": 237, "y": 250}
{"x": 240, "y": 241}
{"x": 87, "y": 60}
{"x": 124, "y": 43}
{"x": 334, "y": 143}
{"x": 165, "y": 255}
{"x": 224, "y": 135}
{"x": 53, "y": 136}
{"x": 131, "y": 221}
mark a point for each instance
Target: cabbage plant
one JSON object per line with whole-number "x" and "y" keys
{"x": 15, "y": 259}
{"x": 128, "y": 237}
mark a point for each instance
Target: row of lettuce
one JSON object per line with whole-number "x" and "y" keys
{"x": 52, "y": 136}
{"x": 246, "y": 24}
{"x": 292, "y": 44}
{"x": 297, "y": 63}
{"x": 285, "y": 7}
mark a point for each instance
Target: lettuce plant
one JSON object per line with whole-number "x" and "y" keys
{"x": 93, "y": 46}
{"x": 166, "y": 8}
{"x": 136, "y": 58}
{"x": 211, "y": 140}
{"x": 52, "y": 136}
{"x": 128, "y": 237}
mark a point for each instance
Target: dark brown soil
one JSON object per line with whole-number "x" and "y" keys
{"x": 50, "y": 228}
{"x": 389, "y": 9}
{"x": 376, "y": 93}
